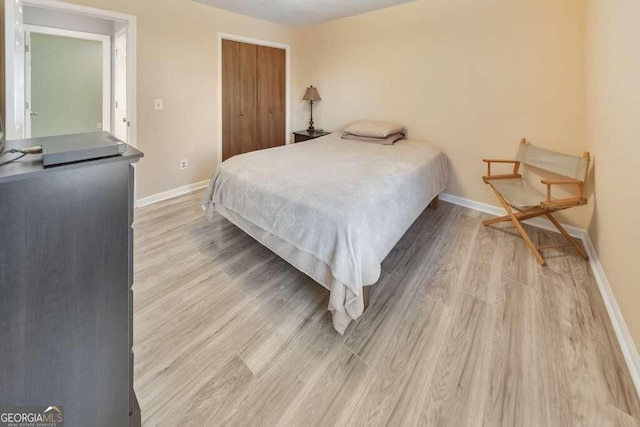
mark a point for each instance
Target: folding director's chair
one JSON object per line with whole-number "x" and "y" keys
{"x": 514, "y": 192}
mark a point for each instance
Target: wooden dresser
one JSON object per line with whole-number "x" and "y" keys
{"x": 66, "y": 271}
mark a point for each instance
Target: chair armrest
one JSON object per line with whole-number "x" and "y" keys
{"x": 516, "y": 165}
{"x": 499, "y": 161}
{"x": 567, "y": 181}
{"x": 504, "y": 176}
{"x": 563, "y": 203}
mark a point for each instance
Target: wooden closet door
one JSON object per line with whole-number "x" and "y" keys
{"x": 253, "y": 97}
{"x": 239, "y": 98}
{"x": 271, "y": 96}
{"x": 248, "y": 98}
{"x": 231, "y": 95}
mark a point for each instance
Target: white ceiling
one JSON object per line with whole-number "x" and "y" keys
{"x": 301, "y": 12}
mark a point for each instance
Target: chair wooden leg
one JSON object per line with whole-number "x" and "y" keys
{"x": 521, "y": 230}
{"x": 496, "y": 220}
{"x": 529, "y": 243}
{"x": 519, "y": 215}
{"x": 566, "y": 235}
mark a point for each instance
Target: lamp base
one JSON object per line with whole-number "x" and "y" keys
{"x": 311, "y": 129}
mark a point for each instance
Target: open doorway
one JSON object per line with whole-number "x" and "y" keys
{"x": 87, "y": 47}
{"x": 67, "y": 82}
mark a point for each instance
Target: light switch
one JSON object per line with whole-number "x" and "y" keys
{"x": 159, "y": 105}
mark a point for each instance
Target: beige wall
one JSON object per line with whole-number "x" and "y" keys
{"x": 473, "y": 77}
{"x": 177, "y": 62}
{"x": 613, "y": 135}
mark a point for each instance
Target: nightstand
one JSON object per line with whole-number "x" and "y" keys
{"x": 304, "y": 135}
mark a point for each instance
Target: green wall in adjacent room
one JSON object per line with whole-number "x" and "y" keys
{"x": 66, "y": 85}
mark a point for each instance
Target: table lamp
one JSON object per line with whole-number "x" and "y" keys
{"x": 311, "y": 95}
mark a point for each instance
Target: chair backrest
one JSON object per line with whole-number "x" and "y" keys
{"x": 561, "y": 164}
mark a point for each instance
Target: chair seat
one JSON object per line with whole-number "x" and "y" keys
{"x": 518, "y": 193}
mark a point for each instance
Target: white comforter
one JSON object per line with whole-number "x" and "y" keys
{"x": 333, "y": 208}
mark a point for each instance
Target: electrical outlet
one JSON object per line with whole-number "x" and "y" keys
{"x": 99, "y": 125}
{"x": 159, "y": 105}
{"x": 184, "y": 164}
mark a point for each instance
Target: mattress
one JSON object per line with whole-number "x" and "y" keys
{"x": 332, "y": 208}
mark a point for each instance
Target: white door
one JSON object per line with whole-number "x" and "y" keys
{"x": 28, "y": 112}
{"x": 14, "y": 72}
{"x": 120, "y": 87}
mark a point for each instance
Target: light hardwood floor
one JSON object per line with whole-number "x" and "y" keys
{"x": 464, "y": 328}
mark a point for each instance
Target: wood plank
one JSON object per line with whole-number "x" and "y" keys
{"x": 331, "y": 393}
{"x": 211, "y": 395}
{"x": 524, "y": 385}
{"x": 483, "y": 274}
{"x": 395, "y": 396}
{"x": 459, "y": 388}
{"x": 448, "y": 262}
{"x": 518, "y": 264}
{"x": 268, "y": 402}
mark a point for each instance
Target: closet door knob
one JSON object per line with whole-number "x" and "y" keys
{"x": 241, "y": 114}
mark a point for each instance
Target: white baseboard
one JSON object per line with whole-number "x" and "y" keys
{"x": 627, "y": 345}
{"x": 155, "y": 198}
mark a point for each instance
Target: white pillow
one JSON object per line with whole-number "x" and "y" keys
{"x": 390, "y": 140}
{"x": 373, "y": 129}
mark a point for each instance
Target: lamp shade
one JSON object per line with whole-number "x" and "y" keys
{"x": 312, "y": 94}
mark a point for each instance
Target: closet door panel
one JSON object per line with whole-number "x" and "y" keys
{"x": 271, "y": 96}
{"x": 231, "y": 95}
{"x": 248, "y": 97}
{"x": 278, "y": 95}
{"x": 264, "y": 96}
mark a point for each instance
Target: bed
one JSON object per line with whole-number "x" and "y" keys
{"x": 332, "y": 208}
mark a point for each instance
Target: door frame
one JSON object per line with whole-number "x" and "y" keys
{"x": 225, "y": 36}
{"x": 117, "y": 84}
{"x": 106, "y": 70}
{"x": 14, "y": 82}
